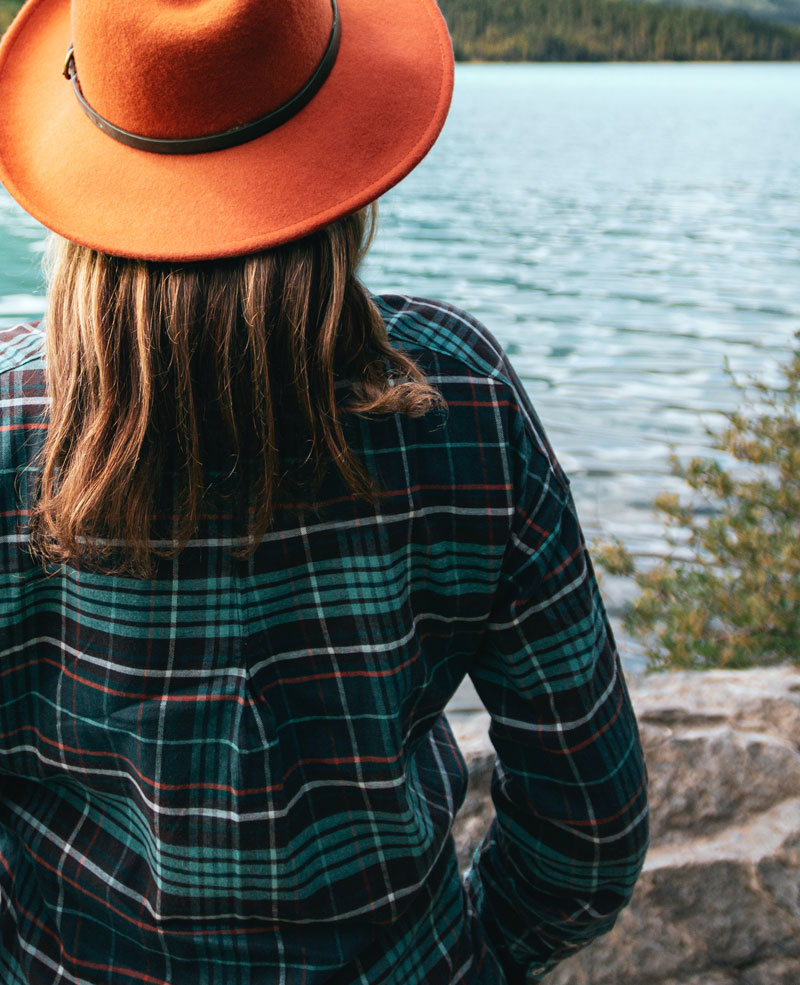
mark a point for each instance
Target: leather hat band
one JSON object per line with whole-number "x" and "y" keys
{"x": 229, "y": 138}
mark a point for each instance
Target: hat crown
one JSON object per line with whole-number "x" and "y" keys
{"x": 190, "y": 68}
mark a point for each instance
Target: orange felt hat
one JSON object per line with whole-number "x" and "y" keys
{"x": 193, "y": 129}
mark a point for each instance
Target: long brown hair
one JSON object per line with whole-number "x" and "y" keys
{"x": 163, "y": 375}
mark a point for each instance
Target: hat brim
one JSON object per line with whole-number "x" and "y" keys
{"x": 375, "y": 118}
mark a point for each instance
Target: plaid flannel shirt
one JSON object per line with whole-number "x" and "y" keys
{"x": 240, "y": 772}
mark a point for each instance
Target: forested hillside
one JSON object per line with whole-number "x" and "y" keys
{"x": 609, "y": 30}
{"x": 604, "y": 30}
{"x": 779, "y": 11}
{"x": 7, "y": 10}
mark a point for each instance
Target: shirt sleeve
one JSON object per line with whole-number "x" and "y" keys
{"x": 569, "y": 787}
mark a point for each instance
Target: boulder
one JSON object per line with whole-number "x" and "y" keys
{"x": 718, "y": 902}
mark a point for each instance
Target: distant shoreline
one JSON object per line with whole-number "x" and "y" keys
{"x": 598, "y": 31}
{"x": 631, "y": 61}
{"x": 611, "y": 31}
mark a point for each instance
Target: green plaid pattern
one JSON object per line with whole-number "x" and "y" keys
{"x": 239, "y": 772}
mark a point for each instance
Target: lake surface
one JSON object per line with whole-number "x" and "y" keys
{"x": 622, "y": 229}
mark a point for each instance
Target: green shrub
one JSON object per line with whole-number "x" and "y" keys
{"x": 729, "y": 593}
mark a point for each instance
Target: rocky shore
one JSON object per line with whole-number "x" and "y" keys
{"x": 718, "y": 902}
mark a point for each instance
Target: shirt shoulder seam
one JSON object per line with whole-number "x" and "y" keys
{"x": 452, "y": 333}
{"x": 21, "y": 347}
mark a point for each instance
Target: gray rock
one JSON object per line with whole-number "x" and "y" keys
{"x": 704, "y": 778}
{"x": 471, "y": 731}
{"x": 776, "y": 971}
{"x": 718, "y": 902}
{"x": 712, "y": 978}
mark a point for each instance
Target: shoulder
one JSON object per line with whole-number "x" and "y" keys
{"x": 23, "y": 395}
{"x": 23, "y": 410}
{"x": 461, "y": 345}
{"x": 21, "y": 347}
{"x": 422, "y": 324}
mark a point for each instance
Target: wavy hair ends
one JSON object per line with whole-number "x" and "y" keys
{"x": 170, "y": 381}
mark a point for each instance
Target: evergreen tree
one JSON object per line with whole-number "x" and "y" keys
{"x": 603, "y": 30}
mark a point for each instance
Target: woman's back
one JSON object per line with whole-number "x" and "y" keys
{"x": 256, "y": 528}
{"x": 244, "y": 761}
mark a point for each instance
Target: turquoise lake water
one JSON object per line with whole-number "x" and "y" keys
{"x": 621, "y": 228}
